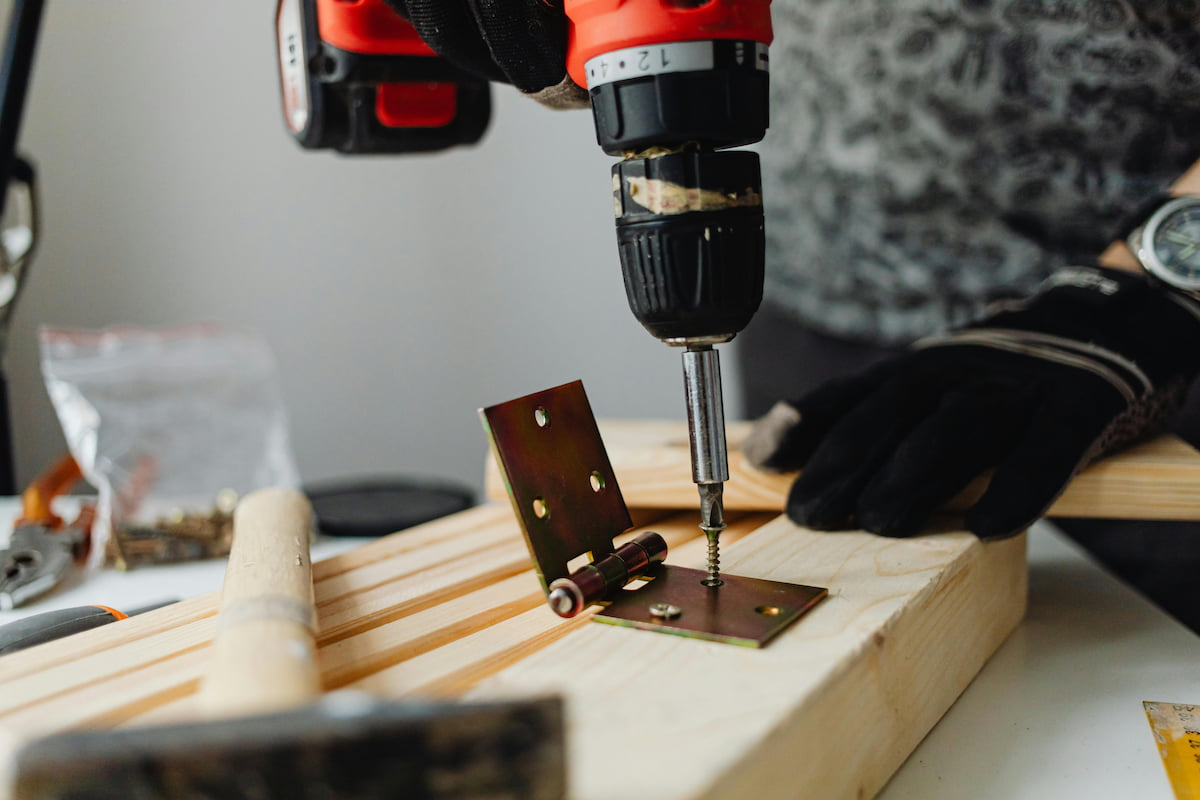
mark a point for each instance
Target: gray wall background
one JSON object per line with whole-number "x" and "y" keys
{"x": 399, "y": 294}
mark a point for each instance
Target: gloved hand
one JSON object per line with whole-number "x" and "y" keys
{"x": 522, "y": 42}
{"x": 1097, "y": 358}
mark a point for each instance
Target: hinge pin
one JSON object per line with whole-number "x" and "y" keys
{"x": 632, "y": 560}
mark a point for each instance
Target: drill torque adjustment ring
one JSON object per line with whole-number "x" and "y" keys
{"x": 666, "y": 72}
{"x": 713, "y": 92}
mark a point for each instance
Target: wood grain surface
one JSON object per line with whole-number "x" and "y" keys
{"x": 830, "y": 709}
{"x": 1158, "y": 479}
{"x": 453, "y": 609}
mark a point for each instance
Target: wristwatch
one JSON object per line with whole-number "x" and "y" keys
{"x": 1167, "y": 244}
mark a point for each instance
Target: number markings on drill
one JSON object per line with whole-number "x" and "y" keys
{"x": 660, "y": 59}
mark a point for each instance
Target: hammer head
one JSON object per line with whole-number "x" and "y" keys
{"x": 345, "y": 746}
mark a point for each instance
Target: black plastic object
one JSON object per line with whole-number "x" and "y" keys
{"x": 344, "y": 745}
{"x": 725, "y": 106}
{"x": 20, "y": 43}
{"x": 347, "y": 90}
{"x": 8, "y": 481}
{"x": 379, "y": 506}
{"x": 16, "y": 66}
{"x": 51, "y": 625}
{"x": 691, "y": 241}
{"x": 341, "y": 89}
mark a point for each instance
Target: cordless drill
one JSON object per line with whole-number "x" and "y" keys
{"x": 672, "y": 83}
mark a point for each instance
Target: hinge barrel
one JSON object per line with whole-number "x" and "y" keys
{"x": 593, "y": 583}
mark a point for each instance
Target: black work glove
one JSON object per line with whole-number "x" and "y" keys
{"x": 522, "y": 42}
{"x": 1096, "y": 359}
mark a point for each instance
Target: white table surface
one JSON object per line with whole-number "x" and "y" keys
{"x": 1056, "y": 713}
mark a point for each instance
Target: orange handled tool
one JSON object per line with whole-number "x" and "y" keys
{"x": 42, "y": 548}
{"x": 51, "y": 625}
{"x": 38, "y": 496}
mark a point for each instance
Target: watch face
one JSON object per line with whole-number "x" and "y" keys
{"x": 1172, "y": 243}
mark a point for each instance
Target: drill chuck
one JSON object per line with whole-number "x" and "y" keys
{"x": 668, "y": 72}
{"x": 691, "y": 242}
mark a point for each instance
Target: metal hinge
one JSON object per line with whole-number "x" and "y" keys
{"x": 566, "y": 497}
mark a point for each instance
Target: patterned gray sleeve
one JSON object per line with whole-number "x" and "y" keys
{"x": 927, "y": 157}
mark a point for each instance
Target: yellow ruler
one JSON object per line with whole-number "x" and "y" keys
{"x": 1177, "y": 730}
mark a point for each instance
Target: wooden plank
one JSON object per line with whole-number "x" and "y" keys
{"x": 121, "y": 696}
{"x": 93, "y": 678}
{"x": 451, "y": 669}
{"x": 475, "y": 529}
{"x": 830, "y": 709}
{"x": 75, "y": 675}
{"x": 136, "y": 676}
{"x": 455, "y": 666}
{"x": 75, "y": 665}
{"x": 457, "y": 609}
{"x": 166, "y": 621}
{"x": 374, "y": 651}
{"x": 1157, "y": 479}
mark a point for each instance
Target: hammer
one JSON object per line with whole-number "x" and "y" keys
{"x": 297, "y": 744}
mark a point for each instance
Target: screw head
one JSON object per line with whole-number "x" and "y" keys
{"x": 665, "y": 611}
{"x": 562, "y": 602}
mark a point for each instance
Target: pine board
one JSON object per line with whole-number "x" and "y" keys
{"x": 829, "y": 710}
{"x": 1153, "y": 480}
{"x": 452, "y": 609}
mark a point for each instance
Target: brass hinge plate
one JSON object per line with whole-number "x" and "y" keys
{"x": 744, "y": 611}
{"x": 565, "y": 494}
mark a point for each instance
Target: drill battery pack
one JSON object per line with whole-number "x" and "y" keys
{"x": 355, "y": 77}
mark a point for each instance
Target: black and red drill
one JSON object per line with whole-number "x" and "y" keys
{"x": 673, "y": 84}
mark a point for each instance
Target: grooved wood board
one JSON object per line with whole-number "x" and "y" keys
{"x": 1157, "y": 479}
{"x": 830, "y": 709}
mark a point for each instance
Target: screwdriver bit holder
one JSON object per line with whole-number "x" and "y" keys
{"x": 566, "y": 497}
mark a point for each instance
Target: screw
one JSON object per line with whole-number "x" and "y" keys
{"x": 713, "y": 579}
{"x": 665, "y": 611}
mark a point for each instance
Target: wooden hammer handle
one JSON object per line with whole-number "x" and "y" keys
{"x": 264, "y": 653}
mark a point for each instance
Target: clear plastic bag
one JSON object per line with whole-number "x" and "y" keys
{"x": 166, "y": 421}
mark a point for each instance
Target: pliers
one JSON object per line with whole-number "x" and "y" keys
{"x": 43, "y": 549}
